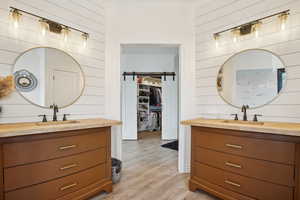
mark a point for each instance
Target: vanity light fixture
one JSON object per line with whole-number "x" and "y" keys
{"x": 16, "y": 15}
{"x": 47, "y": 25}
{"x": 44, "y": 27}
{"x": 256, "y": 28}
{"x": 283, "y": 18}
{"x": 217, "y": 39}
{"x": 235, "y": 33}
{"x": 253, "y": 26}
{"x": 85, "y": 37}
{"x": 65, "y": 31}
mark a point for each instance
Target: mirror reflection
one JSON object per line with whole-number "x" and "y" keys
{"x": 252, "y": 77}
{"x": 48, "y": 76}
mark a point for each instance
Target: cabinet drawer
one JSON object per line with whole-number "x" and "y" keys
{"x": 33, "y": 151}
{"x": 26, "y": 175}
{"x": 250, "y": 187}
{"x": 263, "y": 170}
{"x": 59, "y": 187}
{"x": 282, "y": 152}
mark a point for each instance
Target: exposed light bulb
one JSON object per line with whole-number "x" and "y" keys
{"x": 256, "y": 33}
{"x": 217, "y": 44}
{"x": 66, "y": 32}
{"x": 257, "y": 29}
{"x": 235, "y": 39}
{"x": 85, "y": 37}
{"x": 217, "y": 38}
{"x": 235, "y": 35}
{"x": 43, "y": 31}
{"x": 44, "y": 27}
{"x": 16, "y": 15}
{"x": 16, "y": 24}
{"x": 283, "y": 25}
{"x": 283, "y": 18}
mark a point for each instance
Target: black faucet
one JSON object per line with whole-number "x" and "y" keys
{"x": 65, "y": 117}
{"x": 244, "y": 110}
{"x": 44, "y": 117}
{"x": 255, "y": 117}
{"x": 235, "y": 116}
{"x": 55, "y": 111}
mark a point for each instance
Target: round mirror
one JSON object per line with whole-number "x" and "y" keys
{"x": 48, "y": 76}
{"x": 252, "y": 77}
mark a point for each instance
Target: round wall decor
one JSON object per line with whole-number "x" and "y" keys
{"x": 25, "y": 81}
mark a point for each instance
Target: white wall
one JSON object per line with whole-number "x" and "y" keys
{"x": 150, "y": 22}
{"x": 214, "y": 16}
{"x": 87, "y": 15}
{"x": 149, "y": 58}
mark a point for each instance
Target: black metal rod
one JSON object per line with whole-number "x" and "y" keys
{"x": 43, "y": 18}
{"x": 149, "y": 74}
{"x": 254, "y": 21}
{"x": 152, "y": 74}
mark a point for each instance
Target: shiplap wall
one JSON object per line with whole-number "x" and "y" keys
{"x": 214, "y": 16}
{"x": 86, "y": 15}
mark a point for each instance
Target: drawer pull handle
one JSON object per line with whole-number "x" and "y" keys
{"x": 234, "y": 146}
{"x": 68, "y": 167}
{"x": 232, "y": 183}
{"x": 68, "y": 187}
{"x": 68, "y": 147}
{"x": 233, "y": 165}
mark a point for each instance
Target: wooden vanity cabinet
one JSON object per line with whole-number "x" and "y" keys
{"x": 242, "y": 165}
{"x": 70, "y": 165}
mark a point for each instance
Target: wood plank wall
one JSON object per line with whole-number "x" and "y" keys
{"x": 87, "y": 15}
{"x": 214, "y": 16}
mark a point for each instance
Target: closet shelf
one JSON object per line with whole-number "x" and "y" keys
{"x": 143, "y": 110}
{"x": 145, "y": 90}
{"x": 144, "y": 103}
{"x": 146, "y": 97}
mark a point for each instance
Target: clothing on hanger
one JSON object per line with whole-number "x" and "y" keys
{"x": 155, "y": 96}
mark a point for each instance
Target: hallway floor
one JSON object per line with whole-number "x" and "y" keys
{"x": 150, "y": 172}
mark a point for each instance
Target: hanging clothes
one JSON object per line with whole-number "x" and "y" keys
{"x": 155, "y": 96}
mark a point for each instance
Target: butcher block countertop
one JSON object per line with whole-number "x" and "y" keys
{"x": 277, "y": 128}
{"x": 31, "y": 128}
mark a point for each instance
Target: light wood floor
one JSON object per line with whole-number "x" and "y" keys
{"x": 150, "y": 173}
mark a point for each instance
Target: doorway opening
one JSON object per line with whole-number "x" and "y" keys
{"x": 150, "y": 103}
{"x": 149, "y": 106}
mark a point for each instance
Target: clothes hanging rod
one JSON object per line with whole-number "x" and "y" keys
{"x": 153, "y": 74}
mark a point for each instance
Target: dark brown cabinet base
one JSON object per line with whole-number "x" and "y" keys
{"x": 70, "y": 165}
{"x": 240, "y": 165}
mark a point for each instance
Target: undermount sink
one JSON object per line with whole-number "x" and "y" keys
{"x": 243, "y": 122}
{"x": 57, "y": 123}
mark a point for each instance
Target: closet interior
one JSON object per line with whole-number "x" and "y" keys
{"x": 149, "y": 104}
